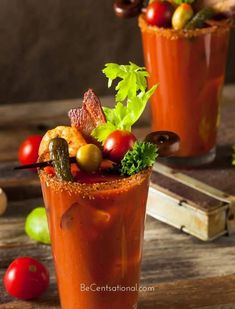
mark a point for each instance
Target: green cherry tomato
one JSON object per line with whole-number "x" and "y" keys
{"x": 36, "y": 226}
{"x": 89, "y": 158}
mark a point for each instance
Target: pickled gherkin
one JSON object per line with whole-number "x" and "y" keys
{"x": 59, "y": 154}
{"x": 198, "y": 21}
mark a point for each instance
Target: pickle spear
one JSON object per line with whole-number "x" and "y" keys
{"x": 198, "y": 21}
{"x": 59, "y": 154}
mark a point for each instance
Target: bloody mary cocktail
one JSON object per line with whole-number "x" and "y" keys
{"x": 97, "y": 233}
{"x": 95, "y": 179}
{"x": 189, "y": 67}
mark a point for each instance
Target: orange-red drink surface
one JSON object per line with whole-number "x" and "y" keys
{"x": 189, "y": 68}
{"x": 97, "y": 234}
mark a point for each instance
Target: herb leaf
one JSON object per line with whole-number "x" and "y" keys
{"x": 183, "y": 1}
{"x": 136, "y": 106}
{"x": 133, "y": 79}
{"x": 131, "y": 98}
{"x": 141, "y": 156}
{"x": 102, "y": 131}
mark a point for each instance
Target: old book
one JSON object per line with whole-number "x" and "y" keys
{"x": 189, "y": 204}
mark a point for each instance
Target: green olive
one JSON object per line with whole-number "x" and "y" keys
{"x": 89, "y": 157}
{"x": 181, "y": 16}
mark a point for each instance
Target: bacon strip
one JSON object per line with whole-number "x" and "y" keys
{"x": 89, "y": 116}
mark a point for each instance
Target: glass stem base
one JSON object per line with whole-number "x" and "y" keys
{"x": 187, "y": 162}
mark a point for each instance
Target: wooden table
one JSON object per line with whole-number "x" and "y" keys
{"x": 184, "y": 272}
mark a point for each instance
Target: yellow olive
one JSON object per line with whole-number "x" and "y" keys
{"x": 181, "y": 16}
{"x": 89, "y": 157}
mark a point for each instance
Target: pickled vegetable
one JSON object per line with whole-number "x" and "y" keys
{"x": 181, "y": 16}
{"x": 59, "y": 154}
{"x": 198, "y": 21}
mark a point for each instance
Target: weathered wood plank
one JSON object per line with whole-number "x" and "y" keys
{"x": 40, "y": 113}
{"x": 169, "y": 255}
{"x": 49, "y": 300}
{"x": 216, "y": 292}
{"x": 17, "y": 121}
{"x": 205, "y": 293}
{"x": 54, "y": 112}
{"x": 47, "y": 303}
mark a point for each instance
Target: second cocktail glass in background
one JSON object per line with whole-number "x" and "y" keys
{"x": 189, "y": 67}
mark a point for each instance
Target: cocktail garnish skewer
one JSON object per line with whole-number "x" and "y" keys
{"x": 167, "y": 142}
{"x": 40, "y": 164}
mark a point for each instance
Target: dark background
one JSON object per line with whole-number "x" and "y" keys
{"x": 55, "y": 49}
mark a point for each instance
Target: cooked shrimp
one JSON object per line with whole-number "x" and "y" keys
{"x": 73, "y": 137}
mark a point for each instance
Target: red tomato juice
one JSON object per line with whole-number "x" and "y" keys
{"x": 97, "y": 232}
{"x": 189, "y": 68}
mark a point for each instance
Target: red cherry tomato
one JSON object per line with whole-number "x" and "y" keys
{"x": 159, "y": 13}
{"x": 117, "y": 144}
{"x": 49, "y": 170}
{"x": 28, "y": 150}
{"x": 26, "y": 278}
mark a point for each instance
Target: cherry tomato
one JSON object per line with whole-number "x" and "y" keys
{"x": 117, "y": 144}
{"x": 28, "y": 150}
{"x": 49, "y": 170}
{"x": 74, "y": 169}
{"x": 26, "y": 278}
{"x": 159, "y": 13}
{"x": 36, "y": 226}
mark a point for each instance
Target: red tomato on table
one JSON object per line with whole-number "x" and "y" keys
{"x": 26, "y": 278}
{"x": 28, "y": 150}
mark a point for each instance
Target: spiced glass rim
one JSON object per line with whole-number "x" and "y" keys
{"x": 119, "y": 185}
{"x": 175, "y": 34}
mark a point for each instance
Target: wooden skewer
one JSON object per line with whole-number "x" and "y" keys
{"x": 167, "y": 142}
{"x": 40, "y": 164}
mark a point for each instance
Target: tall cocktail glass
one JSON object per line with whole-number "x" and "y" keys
{"x": 189, "y": 67}
{"x": 96, "y": 231}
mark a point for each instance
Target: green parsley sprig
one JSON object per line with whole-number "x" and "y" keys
{"x": 140, "y": 157}
{"x": 131, "y": 98}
